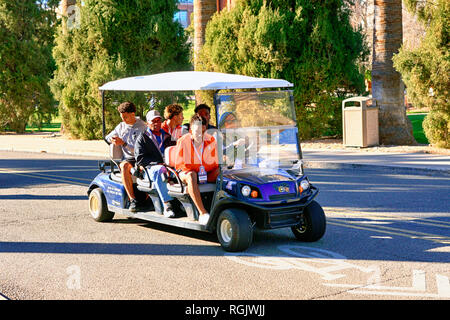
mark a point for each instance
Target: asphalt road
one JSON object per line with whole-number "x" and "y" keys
{"x": 388, "y": 237}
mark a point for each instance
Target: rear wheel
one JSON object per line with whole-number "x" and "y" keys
{"x": 98, "y": 207}
{"x": 234, "y": 230}
{"x": 313, "y": 226}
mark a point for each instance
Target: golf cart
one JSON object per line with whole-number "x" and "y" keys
{"x": 261, "y": 182}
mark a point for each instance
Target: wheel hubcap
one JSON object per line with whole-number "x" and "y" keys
{"x": 301, "y": 228}
{"x": 226, "y": 230}
{"x": 94, "y": 205}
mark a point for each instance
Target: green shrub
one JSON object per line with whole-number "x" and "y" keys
{"x": 426, "y": 69}
{"x": 437, "y": 128}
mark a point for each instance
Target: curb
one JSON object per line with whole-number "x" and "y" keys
{"x": 309, "y": 164}
{"x": 70, "y": 153}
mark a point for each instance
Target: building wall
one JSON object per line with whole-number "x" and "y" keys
{"x": 186, "y": 8}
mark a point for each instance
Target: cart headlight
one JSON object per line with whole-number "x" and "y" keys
{"x": 246, "y": 191}
{"x": 304, "y": 185}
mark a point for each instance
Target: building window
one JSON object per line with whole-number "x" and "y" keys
{"x": 182, "y": 17}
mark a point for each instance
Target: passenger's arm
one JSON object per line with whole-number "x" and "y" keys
{"x": 140, "y": 151}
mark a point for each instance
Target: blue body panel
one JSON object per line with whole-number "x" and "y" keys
{"x": 114, "y": 191}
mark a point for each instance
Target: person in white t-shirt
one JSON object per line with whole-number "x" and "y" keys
{"x": 125, "y": 135}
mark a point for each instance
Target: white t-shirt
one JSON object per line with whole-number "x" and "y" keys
{"x": 128, "y": 134}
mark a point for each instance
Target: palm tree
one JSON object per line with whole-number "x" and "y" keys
{"x": 387, "y": 85}
{"x": 203, "y": 11}
{"x": 65, "y": 4}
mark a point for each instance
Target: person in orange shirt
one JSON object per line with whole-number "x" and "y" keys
{"x": 174, "y": 118}
{"x": 196, "y": 157}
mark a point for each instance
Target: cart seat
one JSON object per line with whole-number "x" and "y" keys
{"x": 116, "y": 154}
{"x": 144, "y": 183}
{"x": 169, "y": 156}
{"x": 206, "y": 187}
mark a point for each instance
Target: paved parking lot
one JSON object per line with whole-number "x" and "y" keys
{"x": 387, "y": 238}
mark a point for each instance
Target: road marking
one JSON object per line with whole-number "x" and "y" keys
{"x": 440, "y": 249}
{"x": 391, "y": 216}
{"x": 51, "y": 176}
{"x": 417, "y": 289}
{"x": 2, "y": 297}
{"x": 343, "y": 218}
{"x": 393, "y": 231}
{"x": 331, "y": 266}
{"x": 44, "y": 178}
{"x": 320, "y": 261}
{"x": 43, "y": 173}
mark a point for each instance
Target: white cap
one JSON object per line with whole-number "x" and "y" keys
{"x": 152, "y": 114}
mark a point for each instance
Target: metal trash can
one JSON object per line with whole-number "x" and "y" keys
{"x": 360, "y": 122}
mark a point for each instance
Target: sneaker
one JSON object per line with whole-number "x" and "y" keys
{"x": 168, "y": 212}
{"x": 134, "y": 205}
{"x": 203, "y": 219}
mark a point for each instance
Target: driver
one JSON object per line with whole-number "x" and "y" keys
{"x": 125, "y": 135}
{"x": 233, "y": 154}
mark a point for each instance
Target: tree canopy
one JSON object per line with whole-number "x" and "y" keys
{"x": 308, "y": 42}
{"x": 112, "y": 39}
{"x": 26, "y": 64}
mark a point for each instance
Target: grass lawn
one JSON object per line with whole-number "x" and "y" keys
{"x": 53, "y": 126}
{"x": 416, "y": 121}
{"x": 46, "y": 127}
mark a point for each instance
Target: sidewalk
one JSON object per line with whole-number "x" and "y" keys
{"x": 316, "y": 154}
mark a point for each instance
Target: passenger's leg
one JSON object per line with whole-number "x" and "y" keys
{"x": 190, "y": 179}
{"x": 125, "y": 169}
{"x": 156, "y": 175}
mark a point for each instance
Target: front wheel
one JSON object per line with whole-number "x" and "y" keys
{"x": 234, "y": 230}
{"x": 98, "y": 207}
{"x": 313, "y": 226}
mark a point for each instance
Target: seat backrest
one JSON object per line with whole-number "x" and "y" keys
{"x": 169, "y": 156}
{"x": 115, "y": 152}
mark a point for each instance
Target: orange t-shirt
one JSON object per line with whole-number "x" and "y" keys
{"x": 187, "y": 158}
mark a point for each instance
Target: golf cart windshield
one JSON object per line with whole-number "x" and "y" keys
{"x": 258, "y": 129}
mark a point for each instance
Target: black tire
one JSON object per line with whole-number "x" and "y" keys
{"x": 314, "y": 224}
{"x": 98, "y": 207}
{"x": 234, "y": 230}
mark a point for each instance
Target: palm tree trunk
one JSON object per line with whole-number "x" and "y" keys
{"x": 65, "y": 4}
{"x": 387, "y": 85}
{"x": 203, "y": 11}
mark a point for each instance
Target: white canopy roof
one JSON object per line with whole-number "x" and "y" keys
{"x": 192, "y": 80}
